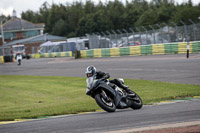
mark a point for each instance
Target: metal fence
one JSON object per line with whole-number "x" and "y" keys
{"x": 129, "y": 37}
{"x": 142, "y": 36}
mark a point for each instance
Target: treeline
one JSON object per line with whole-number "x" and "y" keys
{"x": 78, "y": 19}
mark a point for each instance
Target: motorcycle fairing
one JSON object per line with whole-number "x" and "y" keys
{"x": 106, "y": 88}
{"x": 120, "y": 101}
{"x": 114, "y": 93}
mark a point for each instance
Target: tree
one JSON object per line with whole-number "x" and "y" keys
{"x": 60, "y": 28}
{"x": 185, "y": 12}
{"x": 43, "y": 15}
{"x": 115, "y": 11}
{"x": 77, "y": 19}
{"x": 4, "y": 18}
{"x": 74, "y": 13}
{"x": 29, "y": 16}
{"x": 93, "y": 23}
{"x": 149, "y": 17}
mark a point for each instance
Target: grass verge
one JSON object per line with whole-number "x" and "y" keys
{"x": 25, "y": 97}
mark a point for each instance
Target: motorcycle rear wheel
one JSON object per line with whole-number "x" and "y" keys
{"x": 136, "y": 102}
{"x": 108, "y": 106}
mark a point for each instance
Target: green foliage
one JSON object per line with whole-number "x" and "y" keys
{"x": 59, "y": 28}
{"x": 93, "y": 22}
{"x": 4, "y": 18}
{"x": 77, "y": 19}
{"x": 185, "y": 14}
{"x": 24, "y": 97}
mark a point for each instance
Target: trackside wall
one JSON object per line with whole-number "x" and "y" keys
{"x": 155, "y": 49}
{"x": 1, "y": 59}
{"x": 52, "y": 55}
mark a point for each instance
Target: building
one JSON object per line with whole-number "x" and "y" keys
{"x": 17, "y": 31}
{"x": 32, "y": 44}
{"x": 17, "y": 28}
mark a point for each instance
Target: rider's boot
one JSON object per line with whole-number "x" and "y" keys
{"x": 126, "y": 88}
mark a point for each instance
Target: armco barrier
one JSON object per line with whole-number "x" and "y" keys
{"x": 170, "y": 48}
{"x": 44, "y": 55}
{"x": 52, "y": 55}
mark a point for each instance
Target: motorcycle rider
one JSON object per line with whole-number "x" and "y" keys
{"x": 91, "y": 71}
{"x": 18, "y": 57}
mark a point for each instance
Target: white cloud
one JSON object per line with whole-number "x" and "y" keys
{"x": 20, "y": 6}
{"x": 6, "y": 11}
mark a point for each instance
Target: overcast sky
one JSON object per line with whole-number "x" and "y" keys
{"x": 7, "y": 6}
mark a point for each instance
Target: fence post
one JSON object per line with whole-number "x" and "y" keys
{"x": 176, "y": 31}
{"x": 146, "y": 33}
{"x": 121, "y": 35}
{"x": 115, "y": 36}
{"x": 109, "y": 33}
{"x": 97, "y": 33}
{"x": 153, "y": 33}
{"x": 110, "y": 38}
{"x": 140, "y": 34}
{"x": 160, "y": 29}
{"x": 185, "y": 30}
{"x": 126, "y": 35}
{"x": 169, "y": 40}
{"x": 193, "y": 26}
{"x": 104, "y": 36}
{"x": 133, "y": 34}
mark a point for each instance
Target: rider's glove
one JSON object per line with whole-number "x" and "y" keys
{"x": 87, "y": 91}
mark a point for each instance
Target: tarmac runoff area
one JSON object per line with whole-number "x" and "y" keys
{"x": 166, "y": 68}
{"x": 181, "y": 127}
{"x": 185, "y": 127}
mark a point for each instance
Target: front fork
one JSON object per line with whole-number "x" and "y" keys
{"x": 104, "y": 95}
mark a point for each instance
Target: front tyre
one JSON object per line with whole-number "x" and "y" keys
{"x": 19, "y": 62}
{"x": 105, "y": 104}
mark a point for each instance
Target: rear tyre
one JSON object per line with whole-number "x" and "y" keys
{"x": 106, "y": 105}
{"x": 136, "y": 101}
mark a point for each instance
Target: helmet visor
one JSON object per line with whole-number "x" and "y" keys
{"x": 89, "y": 74}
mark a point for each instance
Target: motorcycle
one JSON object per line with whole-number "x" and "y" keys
{"x": 19, "y": 62}
{"x": 19, "y": 59}
{"x": 110, "y": 97}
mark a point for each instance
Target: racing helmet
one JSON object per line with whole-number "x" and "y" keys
{"x": 121, "y": 80}
{"x": 90, "y": 71}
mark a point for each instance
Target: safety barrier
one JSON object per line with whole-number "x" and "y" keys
{"x": 7, "y": 58}
{"x": 1, "y": 59}
{"x": 52, "y": 55}
{"x": 171, "y": 48}
{"x": 44, "y": 55}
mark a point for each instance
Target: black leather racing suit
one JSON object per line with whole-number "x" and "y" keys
{"x": 103, "y": 75}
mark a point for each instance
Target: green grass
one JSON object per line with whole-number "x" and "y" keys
{"x": 25, "y": 97}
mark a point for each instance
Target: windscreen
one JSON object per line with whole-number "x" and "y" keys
{"x": 90, "y": 82}
{"x": 18, "y": 49}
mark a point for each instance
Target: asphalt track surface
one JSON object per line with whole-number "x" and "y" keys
{"x": 167, "y": 68}
{"x": 150, "y": 115}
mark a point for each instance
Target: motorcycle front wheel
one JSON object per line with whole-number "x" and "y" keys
{"x": 19, "y": 62}
{"x": 105, "y": 104}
